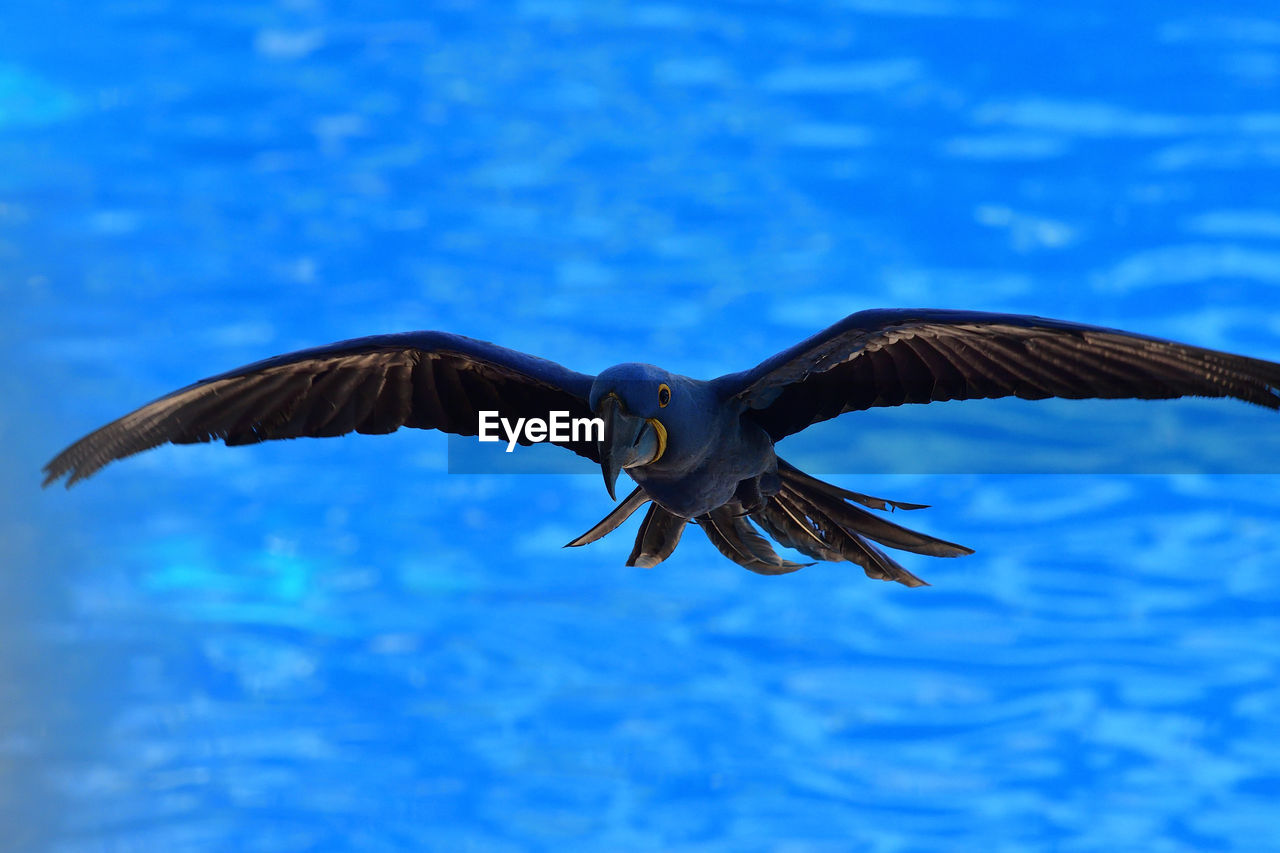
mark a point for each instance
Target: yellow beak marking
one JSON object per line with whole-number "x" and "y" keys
{"x": 662, "y": 437}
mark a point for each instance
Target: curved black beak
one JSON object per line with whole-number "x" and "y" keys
{"x": 628, "y": 440}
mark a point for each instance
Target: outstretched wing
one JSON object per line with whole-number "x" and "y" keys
{"x": 427, "y": 380}
{"x": 897, "y": 356}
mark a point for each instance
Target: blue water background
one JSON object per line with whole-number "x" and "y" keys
{"x": 337, "y": 645}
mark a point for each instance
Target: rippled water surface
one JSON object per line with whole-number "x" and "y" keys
{"x": 339, "y": 645}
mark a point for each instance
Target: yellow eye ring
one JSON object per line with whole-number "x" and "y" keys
{"x": 664, "y": 395}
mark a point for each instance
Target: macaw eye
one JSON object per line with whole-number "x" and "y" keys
{"x": 664, "y": 395}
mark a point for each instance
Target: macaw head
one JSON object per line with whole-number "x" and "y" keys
{"x": 640, "y": 404}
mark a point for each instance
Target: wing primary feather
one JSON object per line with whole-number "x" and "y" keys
{"x": 1109, "y": 374}
{"x": 177, "y": 415}
{"x": 997, "y": 380}
{"x": 1206, "y": 371}
{"x": 252, "y": 405}
{"x": 1035, "y": 381}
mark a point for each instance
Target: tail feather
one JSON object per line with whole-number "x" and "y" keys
{"x": 658, "y": 537}
{"x": 734, "y": 537}
{"x": 792, "y": 529}
{"x": 818, "y": 520}
{"x": 837, "y": 542}
{"x": 873, "y": 527}
{"x": 815, "y": 518}
{"x": 876, "y": 563}
{"x": 793, "y": 475}
{"x": 611, "y": 522}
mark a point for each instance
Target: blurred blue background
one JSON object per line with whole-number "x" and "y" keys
{"x": 338, "y": 645}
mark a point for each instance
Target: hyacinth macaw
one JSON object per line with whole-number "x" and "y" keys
{"x": 699, "y": 451}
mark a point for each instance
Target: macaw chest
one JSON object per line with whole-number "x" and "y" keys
{"x": 715, "y": 479}
{"x": 690, "y": 495}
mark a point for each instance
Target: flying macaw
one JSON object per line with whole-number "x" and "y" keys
{"x": 700, "y": 451}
